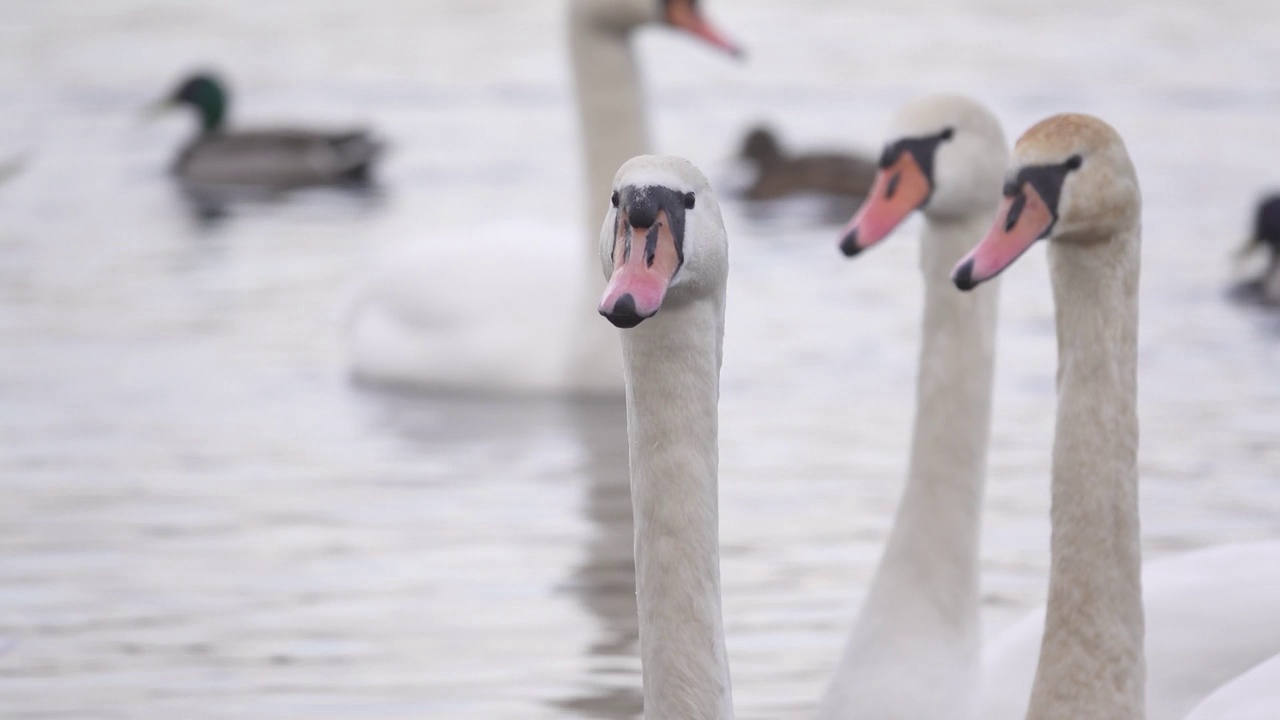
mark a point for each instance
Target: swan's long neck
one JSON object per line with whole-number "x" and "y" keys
{"x": 914, "y": 648}
{"x": 610, "y": 108}
{"x": 1091, "y": 660}
{"x": 612, "y": 122}
{"x": 672, "y": 363}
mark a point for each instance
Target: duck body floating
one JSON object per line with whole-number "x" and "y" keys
{"x": 779, "y": 174}
{"x": 1264, "y": 290}
{"x": 265, "y": 160}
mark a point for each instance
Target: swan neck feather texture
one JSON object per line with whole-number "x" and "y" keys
{"x": 612, "y": 123}
{"x": 672, "y": 368}
{"x": 914, "y": 650}
{"x": 1091, "y": 659}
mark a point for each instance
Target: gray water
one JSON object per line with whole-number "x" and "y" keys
{"x": 202, "y": 518}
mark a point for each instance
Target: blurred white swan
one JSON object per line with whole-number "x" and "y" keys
{"x": 915, "y": 647}
{"x": 1255, "y": 695}
{"x": 517, "y": 316}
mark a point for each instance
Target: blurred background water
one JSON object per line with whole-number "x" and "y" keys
{"x": 203, "y": 518}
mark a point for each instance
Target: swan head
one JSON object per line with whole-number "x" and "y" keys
{"x": 1071, "y": 181}
{"x": 663, "y": 242}
{"x": 624, "y": 16}
{"x": 945, "y": 156}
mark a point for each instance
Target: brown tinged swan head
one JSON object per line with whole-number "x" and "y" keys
{"x": 1071, "y": 181}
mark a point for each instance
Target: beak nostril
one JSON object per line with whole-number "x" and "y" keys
{"x": 892, "y": 187}
{"x": 1015, "y": 211}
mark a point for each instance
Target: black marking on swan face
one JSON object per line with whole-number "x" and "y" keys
{"x": 640, "y": 207}
{"x": 1047, "y": 181}
{"x": 921, "y": 148}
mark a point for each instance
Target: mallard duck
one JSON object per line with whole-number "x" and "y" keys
{"x": 1264, "y": 290}
{"x": 778, "y": 174}
{"x": 267, "y": 159}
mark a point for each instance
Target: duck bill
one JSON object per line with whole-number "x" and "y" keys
{"x": 896, "y": 192}
{"x": 156, "y": 108}
{"x": 1023, "y": 218}
{"x": 645, "y": 262}
{"x": 683, "y": 15}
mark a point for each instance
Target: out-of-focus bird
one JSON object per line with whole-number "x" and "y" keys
{"x": 778, "y": 174}
{"x": 1263, "y": 290}
{"x": 269, "y": 159}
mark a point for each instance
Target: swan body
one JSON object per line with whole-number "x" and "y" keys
{"x": 665, "y": 253}
{"x": 223, "y": 159}
{"x": 1255, "y": 695}
{"x": 1207, "y": 615}
{"x": 433, "y": 316}
{"x": 913, "y": 652}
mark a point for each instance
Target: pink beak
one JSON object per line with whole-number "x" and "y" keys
{"x": 1023, "y": 218}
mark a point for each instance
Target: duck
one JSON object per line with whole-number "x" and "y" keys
{"x": 1264, "y": 290}
{"x": 1116, "y": 639}
{"x": 778, "y": 174}
{"x": 914, "y": 651}
{"x": 219, "y": 157}
{"x": 438, "y": 316}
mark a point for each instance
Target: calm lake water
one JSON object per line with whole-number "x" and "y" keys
{"x": 202, "y": 518}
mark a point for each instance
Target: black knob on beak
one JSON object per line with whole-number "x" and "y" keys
{"x": 624, "y": 313}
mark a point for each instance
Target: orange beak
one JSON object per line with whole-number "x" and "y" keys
{"x": 645, "y": 261}
{"x": 897, "y": 191}
{"x": 682, "y": 14}
{"x": 1023, "y": 218}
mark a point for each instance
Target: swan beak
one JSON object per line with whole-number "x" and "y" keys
{"x": 645, "y": 260}
{"x": 1023, "y": 218}
{"x": 681, "y": 14}
{"x": 897, "y": 191}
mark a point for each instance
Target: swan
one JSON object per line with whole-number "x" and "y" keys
{"x": 1073, "y": 183}
{"x": 1209, "y": 616}
{"x": 914, "y": 649}
{"x": 664, "y": 252}
{"x": 1255, "y": 695}
{"x": 267, "y": 159}
{"x": 425, "y": 314}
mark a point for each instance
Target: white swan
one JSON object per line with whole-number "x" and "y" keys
{"x": 1209, "y": 615}
{"x": 914, "y": 649}
{"x": 1073, "y": 183}
{"x": 1254, "y": 695}
{"x": 508, "y": 316}
{"x": 664, "y": 250}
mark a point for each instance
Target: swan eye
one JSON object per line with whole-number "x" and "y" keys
{"x": 614, "y": 198}
{"x": 688, "y": 201}
{"x": 1074, "y": 162}
{"x": 947, "y": 134}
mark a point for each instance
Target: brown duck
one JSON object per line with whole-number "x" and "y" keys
{"x": 779, "y": 174}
